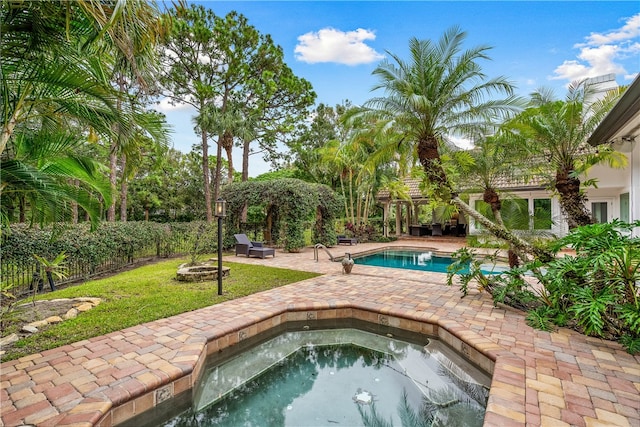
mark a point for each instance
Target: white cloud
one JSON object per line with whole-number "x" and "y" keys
{"x": 165, "y": 106}
{"x": 331, "y": 45}
{"x": 630, "y": 30}
{"x": 602, "y": 53}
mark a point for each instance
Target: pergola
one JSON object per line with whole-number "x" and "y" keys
{"x": 416, "y": 200}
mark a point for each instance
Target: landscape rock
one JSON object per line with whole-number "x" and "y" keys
{"x": 8, "y": 339}
{"x": 85, "y": 306}
{"x": 54, "y": 319}
{"x": 94, "y": 301}
{"x": 71, "y": 314}
{"x": 29, "y": 329}
{"x": 38, "y": 323}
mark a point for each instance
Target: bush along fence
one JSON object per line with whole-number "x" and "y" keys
{"x": 26, "y": 252}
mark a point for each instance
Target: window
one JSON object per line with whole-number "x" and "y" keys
{"x": 599, "y": 212}
{"x": 624, "y": 207}
{"x": 515, "y": 214}
{"x": 542, "y": 214}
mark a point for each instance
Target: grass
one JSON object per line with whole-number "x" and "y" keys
{"x": 145, "y": 294}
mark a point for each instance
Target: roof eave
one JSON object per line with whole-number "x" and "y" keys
{"x": 620, "y": 115}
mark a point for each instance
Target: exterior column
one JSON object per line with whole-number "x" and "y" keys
{"x": 408, "y": 218}
{"x": 634, "y": 187}
{"x": 385, "y": 219}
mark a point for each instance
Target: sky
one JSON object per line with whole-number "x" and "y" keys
{"x": 336, "y": 45}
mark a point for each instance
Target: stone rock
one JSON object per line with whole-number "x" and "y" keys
{"x": 85, "y": 306}
{"x": 38, "y": 323}
{"x": 92, "y": 300}
{"x": 54, "y": 319}
{"x": 8, "y": 339}
{"x": 29, "y": 329}
{"x": 71, "y": 314}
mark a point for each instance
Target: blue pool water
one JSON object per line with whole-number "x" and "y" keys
{"x": 412, "y": 260}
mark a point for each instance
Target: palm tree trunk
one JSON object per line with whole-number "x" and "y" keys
{"x": 7, "y": 129}
{"x": 113, "y": 180}
{"x": 430, "y": 161}
{"x": 492, "y": 197}
{"x": 572, "y": 201}
{"x": 501, "y": 232}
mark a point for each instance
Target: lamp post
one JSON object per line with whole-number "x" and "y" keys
{"x": 221, "y": 210}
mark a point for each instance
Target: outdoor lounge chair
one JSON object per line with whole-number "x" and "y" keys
{"x": 249, "y": 248}
{"x": 436, "y": 229}
{"x": 344, "y": 239}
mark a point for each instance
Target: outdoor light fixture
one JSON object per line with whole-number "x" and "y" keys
{"x": 221, "y": 211}
{"x": 221, "y": 208}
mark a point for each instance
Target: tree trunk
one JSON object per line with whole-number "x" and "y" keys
{"x": 74, "y": 205}
{"x": 124, "y": 188}
{"x": 501, "y": 232}
{"x": 113, "y": 179}
{"x": 227, "y": 144}
{"x": 572, "y": 201}
{"x": 205, "y": 175}
{"x": 492, "y": 197}
{"x": 430, "y": 160}
{"x": 217, "y": 179}
{"x": 246, "y": 145}
{"x": 22, "y": 209}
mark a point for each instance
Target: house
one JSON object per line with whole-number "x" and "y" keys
{"x": 620, "y": 128}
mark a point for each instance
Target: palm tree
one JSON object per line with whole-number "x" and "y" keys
{"x": 491, "y": 160}
{"x": 554, "y": 133}
{"x": 55, "y": 73}
{"x": 45, "y": 75}
{"x": 441, "y": 93}
{"x": 46, "y": 173}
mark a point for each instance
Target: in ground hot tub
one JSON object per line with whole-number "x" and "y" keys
{"x": 344, "y": 375}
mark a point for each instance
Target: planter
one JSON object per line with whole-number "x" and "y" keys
{"x": 347, "y": 264}
{"x": 200, "y": 273}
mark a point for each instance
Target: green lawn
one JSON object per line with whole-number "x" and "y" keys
{"x": 148, "y": 293}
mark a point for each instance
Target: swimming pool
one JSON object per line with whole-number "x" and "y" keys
{"x": 414, "y": 260}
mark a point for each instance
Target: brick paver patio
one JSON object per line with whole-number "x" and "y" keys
{"x": 539, "y": 378}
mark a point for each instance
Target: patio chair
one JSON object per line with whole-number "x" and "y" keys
{"x": 436, "y": 229}
{"x": 249, "y": 248}
{"x": 461, "y": 230}
{"x": 344, "y": 239}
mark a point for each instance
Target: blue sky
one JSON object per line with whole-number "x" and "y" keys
{"x": 337, "y": 44}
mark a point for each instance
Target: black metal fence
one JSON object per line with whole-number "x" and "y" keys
{"x": 23, "y": 278}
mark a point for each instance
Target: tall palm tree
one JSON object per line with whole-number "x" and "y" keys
{"x": 442, "y": 92}
{"x": 555, "y": 132}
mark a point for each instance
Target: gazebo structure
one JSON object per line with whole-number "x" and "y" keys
{"x": 407, "y": 211}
